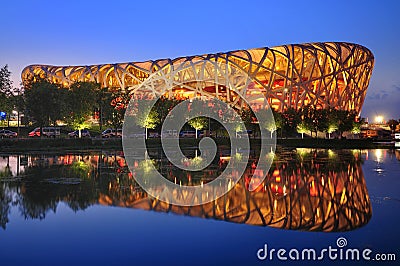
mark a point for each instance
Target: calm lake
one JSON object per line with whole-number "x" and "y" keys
{"x": 85, "y": 209}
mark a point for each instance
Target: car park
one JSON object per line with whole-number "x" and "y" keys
{"x": 4, "y": 133}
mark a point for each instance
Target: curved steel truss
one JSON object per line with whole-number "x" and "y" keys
{"x": 290, "y": 76}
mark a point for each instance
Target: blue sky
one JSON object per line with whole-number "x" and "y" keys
{"x": 92, "y": 32}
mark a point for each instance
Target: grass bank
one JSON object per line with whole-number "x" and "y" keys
{"x": 334, "y": 143}
{"x": 58, "y": 144}
{"x": 61, "y": 144}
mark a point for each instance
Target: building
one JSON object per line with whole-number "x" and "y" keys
{"x": 324, "y": 75}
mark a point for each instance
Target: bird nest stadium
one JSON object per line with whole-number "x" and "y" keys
{"x": 323, "y": 75}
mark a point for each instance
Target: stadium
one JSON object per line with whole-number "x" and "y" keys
{"x": 323, "y": 75}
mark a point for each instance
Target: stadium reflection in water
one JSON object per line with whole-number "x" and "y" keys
{"x": 305, "y": 189}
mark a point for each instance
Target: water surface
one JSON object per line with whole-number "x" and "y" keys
{"x": 85, "y": 208}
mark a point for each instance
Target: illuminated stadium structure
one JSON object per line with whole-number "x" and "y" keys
{"x": 324, "y": 75}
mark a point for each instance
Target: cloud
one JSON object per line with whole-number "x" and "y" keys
{"x": 374, "y": 96}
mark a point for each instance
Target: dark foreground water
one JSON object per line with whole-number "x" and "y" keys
{"x": 85, "y": 209}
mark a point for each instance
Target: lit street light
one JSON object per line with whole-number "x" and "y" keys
{"x": 379, "y": 119}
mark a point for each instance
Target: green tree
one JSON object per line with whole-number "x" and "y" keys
{"x": 332, "y": 121}
{"x": 45, "y": 102}
{"x": 291, "y": 118}
{"x": 81, "y": 98}
{"x": 356, "y": 128}
{"x": 332, "y": 127}
{"x": 302, "y": 128}
{"x": 103, "y": 104}
{"x": 149, "y": 121}
{"x": 114, "y": 107}
{"x": 5, "y": 80}
{"x": 198, "y": 123}
{"x": 164, "y": 105}
{"x": 308, "y": 116}
{"x": 6, "y": 92}
{"x": 273, "y": 125}
{"x": 392, "y": 124}
{"x": 247, "y": 116}
{"x": 345, "y": 120}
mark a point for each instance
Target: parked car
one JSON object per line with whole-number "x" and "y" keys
{"x": 206, "y": 133}
{"x": 169, "y": 133}
{"x": 154, "y": 135}
{"x": 47, "y": 132}
{"x": 111, "y": 133}
{"x": 187, "y": 134}
{"x": 75, "y": 134}
{"x": 4, "y": 133}
{"x": 244, "y": 134}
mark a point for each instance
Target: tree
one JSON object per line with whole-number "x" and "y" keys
{"x": 332, "y": 122}
{"x": 291, "y": 118}
{"x": 6, "y": 92}
{"x": 332, "y": 127}
{"x": 149, "y": 121}
{"x": 356, "y": 128}
{"x": 393, "y": 124}
{"x": 103, "y": 104}
{"x": 273, "y": 125}
{"x": 145, "y": 115}
{"x": 164, "y": 105}
{"x": 115, "y": 104}
{"x": 198, "y": 123}
{"x": 345, "y": 120}
{"x": 5, "y": 80}
{"x": 81, "y": 98}
{"x": 247, "y": 116}
{"x": 309, "y": 118}
{"x": 302, "y": 128}
{"x": 45, "y": 102}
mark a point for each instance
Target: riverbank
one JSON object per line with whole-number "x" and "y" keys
{"x": 60, "y": 144}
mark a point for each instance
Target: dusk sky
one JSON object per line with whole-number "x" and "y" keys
{"x": 95, "y": 32}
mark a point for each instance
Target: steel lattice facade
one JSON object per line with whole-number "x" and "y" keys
{"x": 324, "y": 75}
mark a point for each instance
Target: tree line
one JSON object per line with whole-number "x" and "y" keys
{"x": 44, "y": 103}
{"x": 314, "y": 120}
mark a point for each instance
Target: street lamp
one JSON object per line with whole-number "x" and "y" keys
{"x": 379, "y": 119}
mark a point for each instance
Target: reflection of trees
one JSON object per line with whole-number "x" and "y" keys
{"x": 48, "y": 180}
{"x": 313, "y": 190}
{"x": 44, "y": 188}
{"x": 5, "y": 204}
